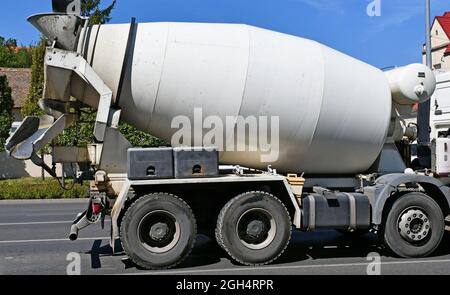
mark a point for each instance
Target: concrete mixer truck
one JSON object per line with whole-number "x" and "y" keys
{"x": 335, "y": 153}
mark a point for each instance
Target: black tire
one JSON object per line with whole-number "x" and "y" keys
{"x": 174, "y": 231}
{"x": 396, "y": 223}
{"x": 259, "y": 209}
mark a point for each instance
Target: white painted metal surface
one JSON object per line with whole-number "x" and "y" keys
{"x": 443, "y": 156}
{"x": 440, "y": 106}
{"x": 411, "y": 84}
{"x": 334, "y": 110}
{"x": 59, "y": 28}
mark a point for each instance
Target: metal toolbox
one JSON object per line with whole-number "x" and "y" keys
{"x": 196, "y": 162}
{"x": 150, "y": 163}
{"x": 336, "y": 211}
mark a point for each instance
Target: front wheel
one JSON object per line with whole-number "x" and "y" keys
{"x": 254, "y": 228}
{"x": 158, "y": 231}
{"x": 414, "y": 226}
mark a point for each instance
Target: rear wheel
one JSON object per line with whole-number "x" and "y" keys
{"x": 254, "y": 228}
{"x": 158, "y": 231}
{"x": 414, "y": 226}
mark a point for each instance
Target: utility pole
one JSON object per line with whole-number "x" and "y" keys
{"x": 423, "y": 118}
{"x": 428, "y": 33}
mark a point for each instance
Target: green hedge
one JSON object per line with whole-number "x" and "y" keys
{"x": 11, "y": 56}
{"x": 36, "y": 189}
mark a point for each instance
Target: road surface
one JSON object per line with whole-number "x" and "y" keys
{"x": 33, "y": 241}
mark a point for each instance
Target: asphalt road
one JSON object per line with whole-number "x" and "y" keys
{"x": 33, "y": 241}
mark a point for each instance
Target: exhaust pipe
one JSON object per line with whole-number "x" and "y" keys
{"x": 91, "y": 216}
{"x": 74, "y": 233}
{"x": 80, "y": 223}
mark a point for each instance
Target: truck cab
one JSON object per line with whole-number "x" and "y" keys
{"x": 440, "y": 125}
{"x": 440, "y": 106}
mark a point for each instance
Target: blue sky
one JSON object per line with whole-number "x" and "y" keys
{"x": 394, "y": 38}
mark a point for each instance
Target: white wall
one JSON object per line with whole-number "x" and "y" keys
{"x": 11, "y": 168}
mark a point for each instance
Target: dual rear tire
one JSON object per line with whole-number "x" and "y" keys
{"x": 254, "y": 228}
{"x": 159, "y": 230}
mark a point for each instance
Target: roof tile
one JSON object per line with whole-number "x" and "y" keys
{"x": 19, "y": 80}
{"x": 444, "y": 21}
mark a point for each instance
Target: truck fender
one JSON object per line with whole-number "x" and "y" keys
{"x": 386, "y": 185}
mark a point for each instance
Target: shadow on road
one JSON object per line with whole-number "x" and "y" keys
{"x": 329, "y": 244}
{"x": 303, "y": 246}
{"x": 97, "y": 251}
{"x": 205, "y": 252}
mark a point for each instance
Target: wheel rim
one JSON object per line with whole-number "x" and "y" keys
{"x": 159, "y": 231}
{"x": 256, "y": 229}
{"x": 414, "y": 225}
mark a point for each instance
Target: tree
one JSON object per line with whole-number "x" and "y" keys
{"x": 13, "y": 57}
{"x": 23, "y": 58}
{"x": 6, "y": 107}
{"x": 139, "y": 138}
{"x": 5, "y": 57}
{"x": 91, "y": 9}
{"x": 31, "y": 107}
{"x": 11, "y": 43}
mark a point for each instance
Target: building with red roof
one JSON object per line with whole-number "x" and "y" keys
{"x": 440, "y": 40}
{"x": 19, "y": 80}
